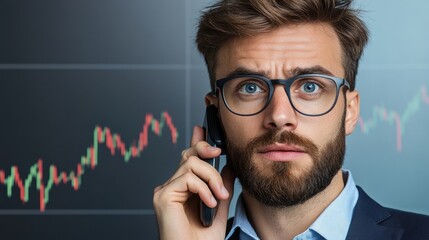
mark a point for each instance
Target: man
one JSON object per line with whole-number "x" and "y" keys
{"x": 283, "y": 77}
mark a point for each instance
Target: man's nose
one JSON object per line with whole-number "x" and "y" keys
{"x": 280, "y": 112}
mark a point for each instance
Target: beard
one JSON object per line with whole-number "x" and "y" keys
{"x": 276, "y": 185}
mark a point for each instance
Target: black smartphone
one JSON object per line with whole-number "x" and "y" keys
{"x": 213, "y": 136}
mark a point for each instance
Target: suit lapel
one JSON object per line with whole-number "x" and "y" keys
{"x": 368, "y": 219}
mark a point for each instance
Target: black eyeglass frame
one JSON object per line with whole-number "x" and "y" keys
{"x": 287, "y": 83}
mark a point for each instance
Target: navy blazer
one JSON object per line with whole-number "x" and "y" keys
{"x": 371, "y": 221}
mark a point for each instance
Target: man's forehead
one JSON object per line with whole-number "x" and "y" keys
{"x": 303, "y": 45}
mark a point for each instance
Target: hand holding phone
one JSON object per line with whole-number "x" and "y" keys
{"x": 178, "y": 214}
{"x": 213, "y": 136}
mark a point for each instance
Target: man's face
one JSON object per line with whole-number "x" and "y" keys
{"x": 278, "y": 153}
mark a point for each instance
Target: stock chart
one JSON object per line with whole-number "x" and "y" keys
{"x": 98, "y": 100}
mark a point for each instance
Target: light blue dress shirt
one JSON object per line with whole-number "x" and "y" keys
{"x": 333, "y": 223}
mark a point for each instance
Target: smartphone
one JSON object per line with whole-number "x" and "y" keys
{"x": 214, "y": 137}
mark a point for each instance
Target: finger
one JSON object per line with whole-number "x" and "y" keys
{"x": 228, "y": 178}
{"x": 204, "y": 171}
{"x": 182, "y": 188}
{"x": 201, "y": 149}
{"x": 197, "y": 135}
{"x": 207, "y": 173}
{"x": 228, "y": 181}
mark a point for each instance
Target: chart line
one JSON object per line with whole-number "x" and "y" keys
{"x": 391, "y": 117}
{"x": 89, "y": 161}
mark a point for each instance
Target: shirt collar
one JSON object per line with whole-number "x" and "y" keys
{"x": 242, "y": 223}
{"x": 339, "y": 212}
{"x": 335, "y": 220}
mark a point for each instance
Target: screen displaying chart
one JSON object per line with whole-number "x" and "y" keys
{"x": 86, "y": 143}
{"x": 98, "y": 100}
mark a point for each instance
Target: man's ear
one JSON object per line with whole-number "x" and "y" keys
{"x": 352, "y": 111}
{"x": 211, "y": 99}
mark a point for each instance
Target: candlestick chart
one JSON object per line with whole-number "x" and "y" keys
{"x": 102, "y": 136}
{"x": 394, "y": 118}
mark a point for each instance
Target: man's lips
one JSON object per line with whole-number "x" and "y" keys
{"x": 281, "y": 152}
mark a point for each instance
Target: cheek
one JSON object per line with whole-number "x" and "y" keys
{"x": 323, "y": 129}
{"x": 324, "y": 132}
{"x": 238, "y": 129}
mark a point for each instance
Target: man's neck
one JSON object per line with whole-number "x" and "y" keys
{"x": 286, "y": 223}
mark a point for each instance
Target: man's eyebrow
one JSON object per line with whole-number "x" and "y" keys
{"x": 248, "y": 71}
{"x": 317, "y": 69}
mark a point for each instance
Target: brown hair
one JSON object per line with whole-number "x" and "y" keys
{"x": 230, "y": 19}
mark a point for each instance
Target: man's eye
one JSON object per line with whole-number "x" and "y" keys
{"x": 310, "y": 87}
{"x": 250, "y": 88}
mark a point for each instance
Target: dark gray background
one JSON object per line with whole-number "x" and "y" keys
{"x": 67, "y": 66}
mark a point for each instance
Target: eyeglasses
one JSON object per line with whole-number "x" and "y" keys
{"x": 309, "y": 94}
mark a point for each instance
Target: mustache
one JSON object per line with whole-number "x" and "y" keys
{"x": 283, "y": 137}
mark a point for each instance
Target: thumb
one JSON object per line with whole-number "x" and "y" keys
{"x": 223, "y": 208}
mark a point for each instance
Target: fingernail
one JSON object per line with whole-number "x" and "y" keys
{"x": 212, "y": 149}
{"x": 224, "y": 191}
{"x": 213, "y": 200}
